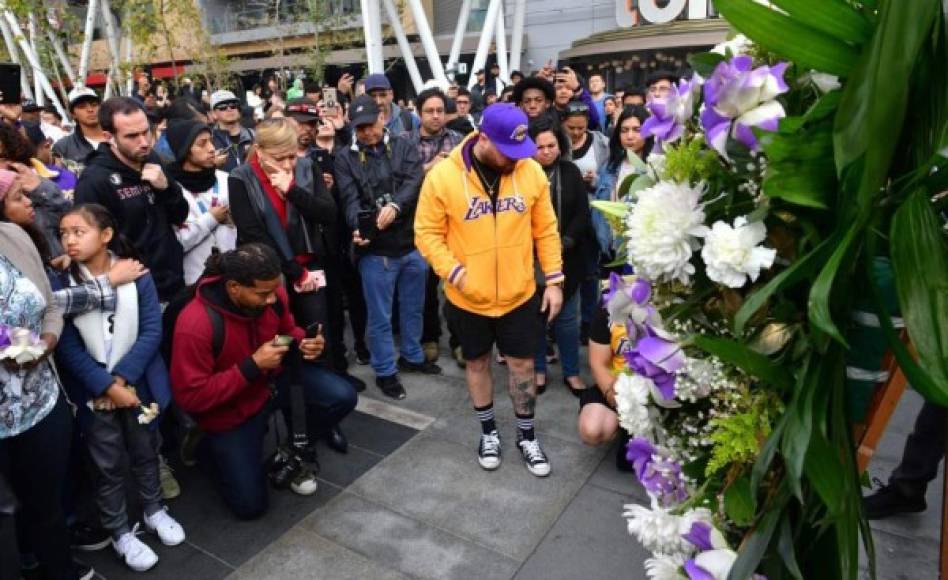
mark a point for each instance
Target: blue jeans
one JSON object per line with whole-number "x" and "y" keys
{"x": 381, "y": 278}
{"x": 566, "y": 331}
{"x": 238, "y": 453}
{"x": 329, "y": 397}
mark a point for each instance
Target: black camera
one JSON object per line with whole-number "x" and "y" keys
{"x": 282, "y": 467}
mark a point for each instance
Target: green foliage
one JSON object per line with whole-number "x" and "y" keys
{"x": 690, "y": 162}
{"x": 737, "y": 438}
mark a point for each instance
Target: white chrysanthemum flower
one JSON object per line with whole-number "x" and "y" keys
{"x": 663, "y": 230}
{"x": 657, "y": 529}
{"x": 632, "y": 398}
{"x": 665, "y": 568}
{"x": 740, "y": 44}
{"x": 733, "y": 254}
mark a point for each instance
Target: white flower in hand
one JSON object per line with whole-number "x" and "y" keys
{"x": 23, "y": 347}
{"x": 733, "y": 254}
{"x": 148, "y": 414}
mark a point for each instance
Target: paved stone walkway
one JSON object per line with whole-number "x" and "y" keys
{"x": 410, "y": 501}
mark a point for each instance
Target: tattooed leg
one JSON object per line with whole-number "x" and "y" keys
{"x": 522, "y": 385}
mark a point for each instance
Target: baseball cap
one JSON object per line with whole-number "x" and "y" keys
{"x": 221, "y": 97}
{"x": 81, "y": 93}
{"x": 506, "y": 127}
{"x": 363, "y": 111}
{"x": 377, "y": 81}
{"x": 303, "y": 109}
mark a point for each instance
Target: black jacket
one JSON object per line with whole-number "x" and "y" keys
{"x": 144, "y": 215}
{"x": 311, "y": 211}
{"x": 236, "y": 154}
{"x": 571, "y": 204}
{"x": 74, "y": 147}
{"x": 365, "y": 175}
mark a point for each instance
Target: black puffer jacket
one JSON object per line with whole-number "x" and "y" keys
{"x": 571, "y": 204}
{"x": 365, "y": 175}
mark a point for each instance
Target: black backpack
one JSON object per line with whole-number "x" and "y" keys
{"x": 170, "y": 318}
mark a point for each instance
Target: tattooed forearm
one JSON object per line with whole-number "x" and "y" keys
{"x": 523, "y": 393}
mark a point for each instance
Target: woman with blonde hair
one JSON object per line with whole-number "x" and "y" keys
{"x": 280, "y": 199}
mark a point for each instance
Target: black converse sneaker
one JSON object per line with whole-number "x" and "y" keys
{"x": 488, "y": 452}
{"x": 533, "y": 457}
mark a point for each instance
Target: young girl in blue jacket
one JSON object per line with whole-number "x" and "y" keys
{"x": 117, "y": 373}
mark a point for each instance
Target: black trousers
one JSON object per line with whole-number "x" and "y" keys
{"x": 924, "y": 450}
{"x": 344, "y": 290}
{"x": 431, "y": 323}
{"x": 34, "y": 463}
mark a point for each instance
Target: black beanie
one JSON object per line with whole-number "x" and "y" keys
{"x": 181, "y": 134}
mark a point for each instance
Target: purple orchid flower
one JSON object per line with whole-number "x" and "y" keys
{"x": 5, "y": 339}
{"x": 659, "y": 476}
{"x": 658, "y": 359}
{"x": 739, "y": 97}
{"x": 669, "y": 114}
{"x": 700, "y": 536}
{"x": 696, "y": 572}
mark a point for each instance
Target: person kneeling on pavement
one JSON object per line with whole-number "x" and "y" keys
{"x": 231, "y": 342}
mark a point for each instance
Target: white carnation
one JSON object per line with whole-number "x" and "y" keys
{"x": 656, "y": 528}
{"x": 663, "y": 230}
{"x": 733, "y": 254}
{"x": 632, "y": 398}
{"x": 665, "y": 568}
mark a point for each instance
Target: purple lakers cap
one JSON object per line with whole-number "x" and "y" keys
{"x": 506, "y": 127}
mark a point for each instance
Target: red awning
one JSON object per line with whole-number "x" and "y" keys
{"x": 166, "y": 72}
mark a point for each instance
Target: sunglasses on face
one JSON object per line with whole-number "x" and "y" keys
{"x": 227, "y": 107}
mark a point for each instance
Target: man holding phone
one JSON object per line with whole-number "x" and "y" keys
{"x": 482, "y": 216}
{"x": 378, "y": 178}
{"x": 231, "y": 139}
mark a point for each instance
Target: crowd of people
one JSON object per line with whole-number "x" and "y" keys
{"x": 186, "y": 262}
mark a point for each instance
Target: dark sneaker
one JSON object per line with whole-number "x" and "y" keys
{"x": 391, "y": 387}
{"x": 362, "y": 354}
{"x": 889, "y": 501}
{"x": 488, "y": 452}
{"x": 458, "y": 355}
{"x": 83, "y": 571}
{"x": 88, "y": 538}
{"x": 424, "y": 367}
{"x": 533, "y": 457}
{"x": 357, "y": 383}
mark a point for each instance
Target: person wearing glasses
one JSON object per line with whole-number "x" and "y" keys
{"x": 463, "y": 102}
{"x": 230, "y": 137}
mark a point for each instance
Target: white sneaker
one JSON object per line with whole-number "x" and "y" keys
{"x": 137, "y": 555}
{"x": 168, "y": 529}
{"x": 534, "y": 458}
{"x": 488, "y": 452}
{"x": 304, "y": 483}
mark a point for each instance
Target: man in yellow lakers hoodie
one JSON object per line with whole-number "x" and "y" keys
{"x": 483, "y": 214}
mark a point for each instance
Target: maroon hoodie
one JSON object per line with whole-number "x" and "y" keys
{"x": 221, "y": 394}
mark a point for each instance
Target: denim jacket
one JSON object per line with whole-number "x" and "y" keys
{"x": 608, "y": 174}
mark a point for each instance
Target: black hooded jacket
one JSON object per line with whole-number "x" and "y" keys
{"x": 145, "y": 215}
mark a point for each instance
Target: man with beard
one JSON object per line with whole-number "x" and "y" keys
{"x": 208, "y": 227}
{"x": 126, "y": 177}
{"x": 306, "y": 114}
{"x": 434, "y": 142}
{"x": 481, "y": 215}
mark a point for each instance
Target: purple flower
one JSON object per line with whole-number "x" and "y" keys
{"x": 700, "y": 535}
{"x": 696, "y": 572}
{"x": 739, "y": 97}
{"x": 659, "y": 476}
{"x": 658, "y": 359}
{"x": 669, "y": 114}
{"x": 5, "y": 340}
{"x": 628, "y": 302}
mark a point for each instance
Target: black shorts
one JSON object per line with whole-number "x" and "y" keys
{"x": 593, "y": 395}
{"x": 516, "y": 333}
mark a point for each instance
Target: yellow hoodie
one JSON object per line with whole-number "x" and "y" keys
{"x": 457, "y": 231}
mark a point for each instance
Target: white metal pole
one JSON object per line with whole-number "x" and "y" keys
{"x": 91, "y": 13}
{"x": 111, "y": 35}
{"x": 455, "y": 55}
{"x": 502, "y": 45}
{"x": 37, "y": 87}
{"x": 480, "y": 57}
{"x": 405, "y": 47}
{"x": 14, "y": 56}
{"x": 372, "y": 25}
{"x": 427, "y": 40}
{"x": 516, "y": 34}
{"x": 129, "y": 76}
{"x": 108, "y": 85}
{"x": 61, "y": 55}
{"x": 34, "y": 62}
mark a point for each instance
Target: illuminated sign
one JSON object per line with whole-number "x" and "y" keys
{"x": 636, "y": 12}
